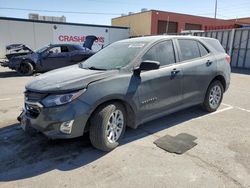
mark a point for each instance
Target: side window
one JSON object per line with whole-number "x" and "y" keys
{"x": 55, "y": 50}
{"x": 203, "y": 50}
{"x": 64, "y": 49}
{"x": 162, "y": 52}
{"x": 189, "y": 49}
{"x": 73, "y": 48}
{"x": 215, "y": 44}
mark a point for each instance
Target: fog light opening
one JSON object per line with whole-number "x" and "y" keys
{"x": 66, "y": 127}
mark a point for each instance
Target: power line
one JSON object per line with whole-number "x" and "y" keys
{"x": 59, "y": 11}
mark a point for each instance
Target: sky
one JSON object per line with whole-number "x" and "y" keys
{"x": 102, "y": 11}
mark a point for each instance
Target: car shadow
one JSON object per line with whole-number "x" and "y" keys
{"x": 12, "y": 74}
{"x": 27, "y": 155}
{"x": 9, "y": 74}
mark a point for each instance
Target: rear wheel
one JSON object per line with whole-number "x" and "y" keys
{"x": 107, "y": 126}
{"x": 25, "y": 68}
{"x": 213, "y": 97}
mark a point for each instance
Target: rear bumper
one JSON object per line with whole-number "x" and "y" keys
{"x": 49, "y": 120}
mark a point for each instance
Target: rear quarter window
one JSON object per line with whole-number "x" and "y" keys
{"x": 215, "y": 44}
{"x": 203, "y": 50}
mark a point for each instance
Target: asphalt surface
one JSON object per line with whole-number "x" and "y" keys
{"x": 221, "y": 157}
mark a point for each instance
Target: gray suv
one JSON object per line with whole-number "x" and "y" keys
{"x": 127, "y": 83}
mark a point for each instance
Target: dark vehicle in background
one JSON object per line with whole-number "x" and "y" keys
{"x": 14, "y": 50}
{"x": 127, "y": 83}
{"x": 26, "y": 62}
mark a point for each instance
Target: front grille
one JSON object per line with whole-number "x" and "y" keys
{"x": 34, "y": 96}
{"x": 32, "y": 110}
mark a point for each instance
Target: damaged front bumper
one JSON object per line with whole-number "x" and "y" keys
{"x": 60, "y": 122}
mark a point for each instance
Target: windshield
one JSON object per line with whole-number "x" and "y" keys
{"x": 115, "y": 56}
{"x": 40, "y": 50}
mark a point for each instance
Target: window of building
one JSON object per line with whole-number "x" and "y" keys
{"x": 162, "y": 52}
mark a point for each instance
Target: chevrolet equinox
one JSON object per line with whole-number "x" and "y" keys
{"x": 127, "y": 83}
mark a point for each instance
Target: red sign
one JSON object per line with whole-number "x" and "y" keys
{"x": 70, "y": 38}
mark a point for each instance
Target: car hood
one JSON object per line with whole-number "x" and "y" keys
{"x": 66, "y": 79}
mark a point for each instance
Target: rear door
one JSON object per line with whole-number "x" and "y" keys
{"x": 199, "y": 68}
{"x": 160, "y": 90}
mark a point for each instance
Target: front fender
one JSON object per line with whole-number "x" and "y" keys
{"x": 128, "y": 105}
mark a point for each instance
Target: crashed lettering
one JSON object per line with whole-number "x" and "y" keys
{"x": 69, "y": 38}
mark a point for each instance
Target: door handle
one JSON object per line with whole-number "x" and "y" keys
{"x": 174, "y": 72}
{"x": 208, "y": 63}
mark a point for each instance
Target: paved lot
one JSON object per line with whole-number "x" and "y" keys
{"x": 220, "y": 159}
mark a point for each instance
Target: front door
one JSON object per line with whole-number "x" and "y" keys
{"x": 160, "y": 90}
{"x": 55, "y": 57}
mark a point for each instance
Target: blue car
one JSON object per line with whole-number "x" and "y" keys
{"x": 49, "y": 57}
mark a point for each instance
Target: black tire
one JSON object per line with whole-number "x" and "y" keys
{"x": 26, "y": 68}
{"x": 99, "y": 125}
{"x": 207, "y": 106}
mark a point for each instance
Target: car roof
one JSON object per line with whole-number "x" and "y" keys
{"x": 65, "y": 44}
{"x": 151, "y": 39}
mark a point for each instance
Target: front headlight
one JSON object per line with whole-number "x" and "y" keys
{"x": 56, "y": 100}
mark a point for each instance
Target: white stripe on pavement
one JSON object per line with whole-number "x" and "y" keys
{"x": 237, "y": 107}
{"x": 5, "y": 99}
{"x": 216, "y": 112}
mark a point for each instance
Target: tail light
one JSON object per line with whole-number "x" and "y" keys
{"x": 228, "y": 59}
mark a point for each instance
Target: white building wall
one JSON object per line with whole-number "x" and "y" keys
{"x": 116, "y": 34}
{"x": 43, "y": 34}
{"x": 4, "y": 36}
{"x": 36, "y": 35}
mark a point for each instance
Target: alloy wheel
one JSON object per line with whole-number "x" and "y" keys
{"x": 115, "y": 126}
{"x": 215, "y": 96}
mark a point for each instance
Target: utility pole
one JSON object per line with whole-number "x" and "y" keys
{"x": 215, "y": 10}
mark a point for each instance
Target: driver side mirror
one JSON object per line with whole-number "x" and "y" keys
{"x": 147, "y": 65}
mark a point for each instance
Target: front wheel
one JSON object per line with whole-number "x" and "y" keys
{"x": 213, "y": 97}
{"x": 107, "y": 126}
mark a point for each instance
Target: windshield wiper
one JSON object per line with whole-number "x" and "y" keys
{"x": 94, "y": 68}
